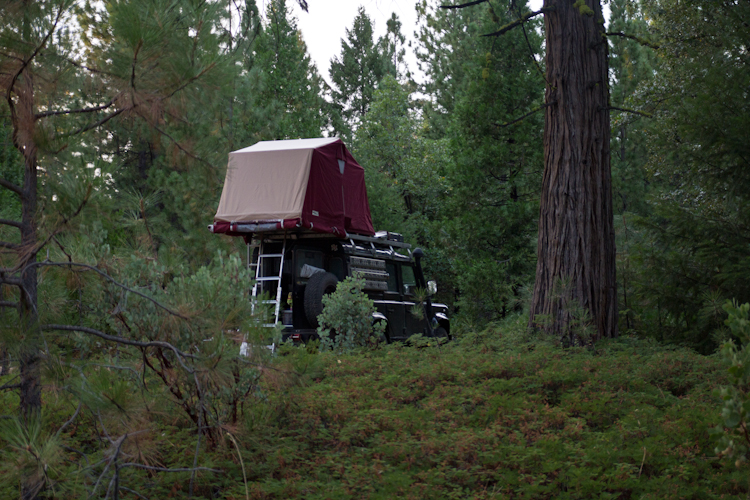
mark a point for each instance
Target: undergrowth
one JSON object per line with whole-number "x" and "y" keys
{"x": 493, "y": 414}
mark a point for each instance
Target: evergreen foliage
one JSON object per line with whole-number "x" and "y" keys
{"x": 359, "y": 68}
{"x": 346, "y": 323}
{"x": 698, "y": 152}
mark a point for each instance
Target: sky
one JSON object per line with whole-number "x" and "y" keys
{"x": 325, "y": 24}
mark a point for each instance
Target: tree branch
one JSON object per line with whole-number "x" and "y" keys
{"x": 71, "y": 420}
{"x": 108, "y": 277}
{"x": 114, "y": 338}
{"x": 638, "y": 39}
{"x": 163, "y": 469}
{"x": 520, "y": 21}
{"x": 461, "y": 6}
{"x": 97, "y": 124}
{"x": 74, "y": 111}
{"x": 13, "y": 223}
{"x": 190, "y": 80}
{"x": 27, "y": 61}
{"x": 5, "y": 244}
{"x": 13, "y": 187}
{"x": 626, "y": 110}
{"x": 8, "y": 304}
{"x": 535, "y": 110}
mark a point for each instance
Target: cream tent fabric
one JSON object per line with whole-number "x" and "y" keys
{"x": 268, "y": 181}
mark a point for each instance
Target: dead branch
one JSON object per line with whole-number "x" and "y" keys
{"x": 8, "y": 304}
{"x": 520, "y": 21}
{"x": 118, "y": 340}
{"x": 461, "y": 6}
{"x": 12, "y": 246}
{"x": 118, "y": 445}
{"x": 638, "y": 39}
{"x": 13, "y": 187}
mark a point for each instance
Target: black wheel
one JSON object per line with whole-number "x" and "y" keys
{"x": 440, "y": 333}
{"x": 318, "y": 285}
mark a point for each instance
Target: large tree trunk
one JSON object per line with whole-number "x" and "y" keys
{"x": 575, "y": 293}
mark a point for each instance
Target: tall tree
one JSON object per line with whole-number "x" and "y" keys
{"x": 576, "y": 268}
{"x": 53, "y": 96}
{"x": 356, "y": 72}
{"x": 699, "y": 154}
{"x": 288, "y": 88}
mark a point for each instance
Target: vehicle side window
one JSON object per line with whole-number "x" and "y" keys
{"x": 390, "y": 267}
{"x": 408, "y": 280}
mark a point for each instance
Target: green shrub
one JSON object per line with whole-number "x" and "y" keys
{"x": 346, "y": 321}
{"x": 733, "y": 436}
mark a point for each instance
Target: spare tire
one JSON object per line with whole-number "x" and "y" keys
{"x": 318, "y": 285}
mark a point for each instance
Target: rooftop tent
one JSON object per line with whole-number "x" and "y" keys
{"x": 311, "y": 184}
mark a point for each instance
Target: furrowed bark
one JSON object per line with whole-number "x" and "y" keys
{"x": 575, "y": 285}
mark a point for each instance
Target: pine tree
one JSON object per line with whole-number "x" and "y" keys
{"x": 356, "y": 72}
{"x": 287, "y": 86}
{"x": 496, "y": 164}
{"x": 698, "y": 160}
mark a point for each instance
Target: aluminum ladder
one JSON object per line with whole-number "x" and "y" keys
{"x": 256, "y": 262}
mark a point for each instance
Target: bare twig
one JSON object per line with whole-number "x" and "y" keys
{"x": 520, "y": 21}
{"x": 9, "y": 304}
{"x": 5, "y": 244}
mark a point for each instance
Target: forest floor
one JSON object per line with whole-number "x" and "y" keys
{"x": 488, "y": 415}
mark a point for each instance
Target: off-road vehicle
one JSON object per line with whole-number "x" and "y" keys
{"x": 302, "y": 207}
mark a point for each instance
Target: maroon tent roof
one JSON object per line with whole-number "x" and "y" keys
{"x": 313, "y": 184}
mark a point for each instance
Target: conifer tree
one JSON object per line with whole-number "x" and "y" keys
{"x": 356, "y": 72}
{"x": 288, "y": 87}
